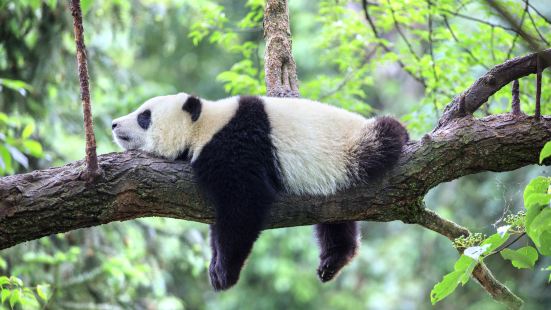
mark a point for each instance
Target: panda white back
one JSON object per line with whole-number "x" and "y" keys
{"x": 314, "y": 142}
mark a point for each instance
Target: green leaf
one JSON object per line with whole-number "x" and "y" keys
{"x": 5, "y": 294}
{"x": 3, "y": 264}
{"x": 6, "y": 159}
{"x": 524, "y": 257}
{"x": 539, "y": 231}
{"x": 531, "y": 214}
{"x": 462, "y": 263}
{"x": 536, "y": 200}
{"x": 33, "y": 147}
{"x": 43, "y": 291}
{"x": 15, "y": 84}
{"x": 537, "y": 185}
{"x": 545, "y": 152}
{"x": 4, "y": 280}
{"x": 16, "y": 281}
{"x": 27, "y": 131}
{"x": 15, "y": 297}
{"x": 445, "y": 287}
{"x": 495, "y": 241}
{"x": 461, "y": 274}
{"x": 545, "y": 243}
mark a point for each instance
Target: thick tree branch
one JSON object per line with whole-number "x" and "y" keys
{"x": 490, "y": 83}
{"x": 135, "y": 185}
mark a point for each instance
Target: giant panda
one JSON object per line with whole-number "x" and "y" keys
{"x": 245, "y": 151}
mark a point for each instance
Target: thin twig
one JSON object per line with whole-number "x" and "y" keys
{"x": 400, "y": 32}
{"x": 433, "y": 61}
{"x": 92, "y": 168}
{"x": 517, "y": 34}
{"x": 386, "y": 48}
{"x": 349, "y": 75}
{"x": 535, "y": 27}
{"x": 505, "y": 14}
{"x": 431, "y": 43}
{"x": 547, "y": 20}
{"x": 475, "y": 19}
{"x": 456, "y": 39}
{"x": 492, "y": 34}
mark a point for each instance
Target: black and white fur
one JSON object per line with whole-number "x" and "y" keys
{"x": 244, "y": 151}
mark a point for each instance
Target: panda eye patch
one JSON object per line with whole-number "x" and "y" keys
{"x": 144, "y": 119}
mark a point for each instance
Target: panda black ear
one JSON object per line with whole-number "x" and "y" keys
{"x": 193, "y": 107}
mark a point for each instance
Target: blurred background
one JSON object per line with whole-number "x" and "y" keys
{"x": 138, "y": 49}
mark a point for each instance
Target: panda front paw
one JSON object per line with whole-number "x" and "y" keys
{"x": 221, "y": 278}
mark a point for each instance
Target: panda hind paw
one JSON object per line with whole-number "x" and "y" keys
{"x": 220, "y": 278}
{"x": 331, "y": 264}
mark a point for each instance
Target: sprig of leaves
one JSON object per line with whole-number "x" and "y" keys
{"x": 13, "y": 291}
{"x": 535, "y": 221}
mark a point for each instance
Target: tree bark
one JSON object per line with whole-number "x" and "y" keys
{"x": 280, "y": 67}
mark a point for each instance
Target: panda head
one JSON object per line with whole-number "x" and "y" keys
{"x": 162, "y": 125}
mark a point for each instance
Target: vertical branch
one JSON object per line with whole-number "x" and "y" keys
{"x": 92, "y": 168}
{"x": 539, "y": 69}
{"x": 280, "y": 67}
{"x": 516, "y": 98}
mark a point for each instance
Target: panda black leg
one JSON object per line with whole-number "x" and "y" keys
{"x": 338, "y": 244}
{"x": 240, "y": 214}
{"x": 232, "y": 245}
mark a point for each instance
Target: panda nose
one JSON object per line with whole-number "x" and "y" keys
{"x": 114, "y": 125}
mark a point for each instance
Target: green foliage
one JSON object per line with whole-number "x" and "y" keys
{"x": 535, "y": 221}
{"x": 14, "y": 292}
{"x": 524, "y": 257}
{"x": 538, "y": 215}
{"x": 241, "y": 37}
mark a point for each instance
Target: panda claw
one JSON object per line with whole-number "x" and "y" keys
{"x": 326, "y": 273}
